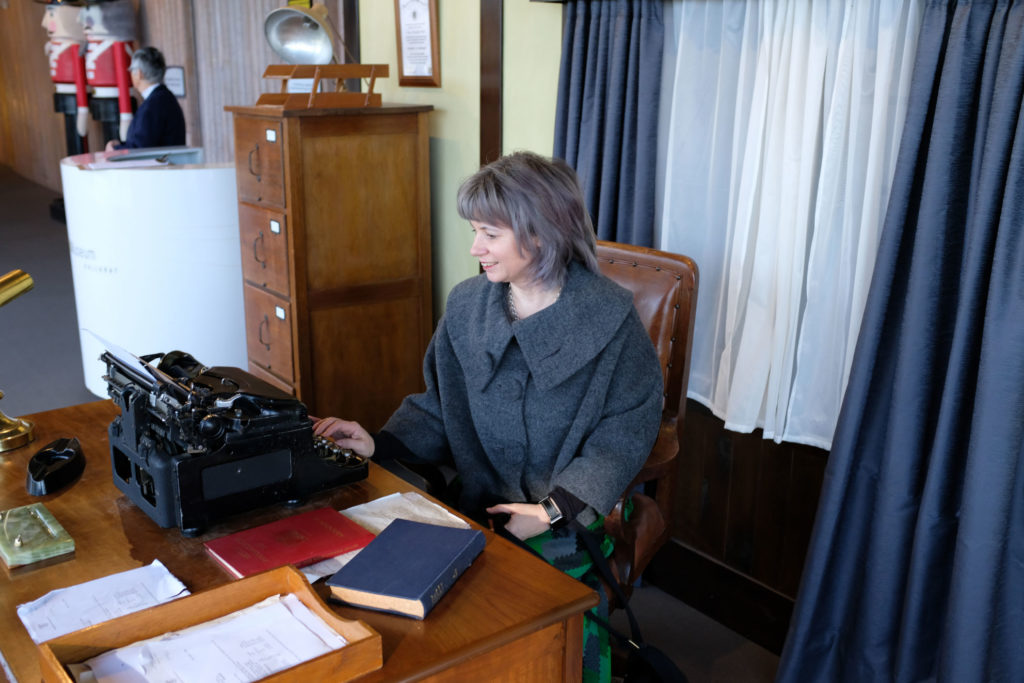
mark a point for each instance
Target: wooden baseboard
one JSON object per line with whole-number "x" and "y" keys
{"x": 748, "y": 607}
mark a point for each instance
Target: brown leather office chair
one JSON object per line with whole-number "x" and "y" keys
{"x": 664, "y": 287}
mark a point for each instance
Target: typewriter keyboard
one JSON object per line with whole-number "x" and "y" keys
{"x": 332, "y": 452}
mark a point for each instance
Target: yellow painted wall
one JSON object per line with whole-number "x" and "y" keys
{"x": 531, "y": 54}
{"x": 531, "y": 50}
{"x": 454, "y": 123}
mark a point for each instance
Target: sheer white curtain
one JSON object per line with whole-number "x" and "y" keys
{"x": 784, "y": 123}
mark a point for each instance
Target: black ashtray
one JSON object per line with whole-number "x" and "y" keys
{"x": 54, "y": 466}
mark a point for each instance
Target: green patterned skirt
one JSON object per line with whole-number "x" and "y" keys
{"x": 563, "y": 549}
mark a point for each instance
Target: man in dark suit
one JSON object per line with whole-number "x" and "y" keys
{"x": 159, "y": 121}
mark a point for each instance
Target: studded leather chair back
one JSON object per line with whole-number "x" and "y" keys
{"x": 664, "y": 287}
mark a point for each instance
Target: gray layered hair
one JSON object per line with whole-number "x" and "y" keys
{"x": 150, "y": 64}
{"x": 541, "y": 201}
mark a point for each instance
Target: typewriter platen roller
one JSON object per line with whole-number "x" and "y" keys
{"x": 195, "y": 444}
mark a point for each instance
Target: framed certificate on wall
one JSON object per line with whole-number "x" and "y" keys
{"x": 419, "y": 62}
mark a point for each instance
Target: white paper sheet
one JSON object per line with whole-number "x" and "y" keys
{"x": 246, "y": 645}
{"x": 68, "y": 609}
{"x": 377, "y": 514}
{"x": 128, "y": 163}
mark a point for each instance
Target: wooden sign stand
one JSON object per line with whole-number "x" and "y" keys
{"x": 323, "y": 100}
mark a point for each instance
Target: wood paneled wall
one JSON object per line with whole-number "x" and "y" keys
{"x": 32, "y": 135}
{"x": 220, "y": 45}
{"x": 744, "y": 511}
{"x": 167, "y": 25}
{"x": 232, "y": 53}
{"x": 747, "y": 501}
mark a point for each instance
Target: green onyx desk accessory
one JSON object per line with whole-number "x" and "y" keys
{"x": 30, "y": 534}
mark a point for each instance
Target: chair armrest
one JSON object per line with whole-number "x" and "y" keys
{"x": 662, "y": 459}
{"x": 636, "y": 541}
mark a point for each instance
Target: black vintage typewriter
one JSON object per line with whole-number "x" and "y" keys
{"x": 195, "y": 444}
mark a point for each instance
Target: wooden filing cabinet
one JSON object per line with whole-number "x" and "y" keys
{"x": 334, "y": 215}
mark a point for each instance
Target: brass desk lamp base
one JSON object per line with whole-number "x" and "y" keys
{"x": 14, "y": 433}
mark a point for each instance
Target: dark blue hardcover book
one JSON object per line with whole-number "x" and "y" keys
{"x": 407, "y": 568}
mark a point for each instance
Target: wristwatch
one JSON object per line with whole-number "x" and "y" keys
{"x": 554, "y": 514}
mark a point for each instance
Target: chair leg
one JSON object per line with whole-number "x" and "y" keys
{"x": 637, "y": 539}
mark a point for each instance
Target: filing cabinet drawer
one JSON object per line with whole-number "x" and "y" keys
{"x": 259, "y": 164}
{"x": 268, "y": 333}
{"x": 264, "y": 248}
{"x": 270, "y": 378}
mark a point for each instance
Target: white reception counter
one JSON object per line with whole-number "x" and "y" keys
{"x": 154, "y": 256}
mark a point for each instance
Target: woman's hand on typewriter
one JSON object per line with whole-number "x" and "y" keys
{"x": 346, "y": 434}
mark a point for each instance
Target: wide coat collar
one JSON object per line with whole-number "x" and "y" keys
{"x": 556, "y": 342}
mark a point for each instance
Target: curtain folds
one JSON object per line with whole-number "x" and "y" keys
{"x": 606, "y": 117}
{"x": 784, "y": 128}
{"x": 916, "y": 562}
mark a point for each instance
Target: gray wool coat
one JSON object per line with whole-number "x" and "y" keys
{"x": 570, "y": 396}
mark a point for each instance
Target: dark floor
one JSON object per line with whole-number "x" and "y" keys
{"x": 704, "y": 650}
{"x": 40, "y": 358}
{"x": 41, "y": 369}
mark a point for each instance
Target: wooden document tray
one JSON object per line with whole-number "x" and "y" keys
{"x": 362, "y": 654}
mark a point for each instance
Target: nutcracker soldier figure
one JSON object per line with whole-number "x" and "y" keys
{"x": 110, "y": 29}
{"x": 65, "y": 47}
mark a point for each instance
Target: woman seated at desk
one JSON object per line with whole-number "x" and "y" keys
{"x": 543, "y": 390}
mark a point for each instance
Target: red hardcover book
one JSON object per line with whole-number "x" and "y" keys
{"x": 300, "y": 540}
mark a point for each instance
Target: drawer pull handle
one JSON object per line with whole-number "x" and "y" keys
{"x": 256, "y": 243}
{"x": 259, "y": 331}
{"x": 254, "y": 151}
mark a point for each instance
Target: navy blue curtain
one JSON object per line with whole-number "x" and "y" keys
{"x": 606, "y": 120}
{"x": 916, "y": 565}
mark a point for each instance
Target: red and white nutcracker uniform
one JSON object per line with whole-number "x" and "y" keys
{"x": 66, "y": 48}
{"x": 110, "y": 30}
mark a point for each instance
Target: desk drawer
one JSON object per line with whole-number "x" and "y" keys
{"x": 268, "y": 332}
{"x": 259, "y": 164}
{"x": 264, "y": 248}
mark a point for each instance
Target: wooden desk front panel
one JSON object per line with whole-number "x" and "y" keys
{"x": 495, "y": 623}
{"x": 540, "y": 656}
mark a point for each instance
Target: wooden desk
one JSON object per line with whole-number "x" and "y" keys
{"x": 509, "y": 617}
